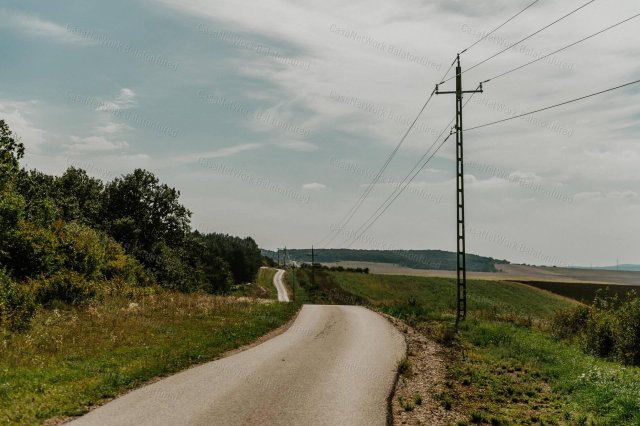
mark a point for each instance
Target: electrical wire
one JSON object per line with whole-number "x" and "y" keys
{"x": 347, "y": 218}
{"x": 526, "y": 38}
{"x": 400, "y": 189}
{"x": 500, "y": 26}
{"x": 353, "y": 210}
{"x": 554, "y": 106}
{"x": 561, "y": 49}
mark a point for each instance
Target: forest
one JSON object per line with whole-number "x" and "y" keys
{"x": 73, "y": 238}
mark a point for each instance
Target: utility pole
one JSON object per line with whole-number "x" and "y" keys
{"x": 313, "y": 267}
{"x": 461, "y": 259}
{"x": 293, "y": 280}
{"x": 285, "y": 256}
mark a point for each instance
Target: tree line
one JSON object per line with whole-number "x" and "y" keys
{"x": 65, "y": 239}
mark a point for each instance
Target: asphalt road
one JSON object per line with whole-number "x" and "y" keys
{"x": 283, "y": 296}
{"x": 334, "y": 366}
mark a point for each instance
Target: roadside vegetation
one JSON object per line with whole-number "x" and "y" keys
{"x": 262, "y": 287}
{"x": 105, "y": 285}
{"x": 523, "y": 356}
{"x": 74, "y": 358}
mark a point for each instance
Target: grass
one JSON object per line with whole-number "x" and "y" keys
{"x": 583, "y": 292}
{"x": 262, "y": 288}
{"x": 504, "y": 367}
{"x": 265, "y": 280}
{"x": 437, "y": 295}
{"x": 75, "y": 358}
{"x": 404, "y": 367}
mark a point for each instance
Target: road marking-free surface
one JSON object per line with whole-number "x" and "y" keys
{"x": 283, "y": 295}
{"x": 334, "y": 366}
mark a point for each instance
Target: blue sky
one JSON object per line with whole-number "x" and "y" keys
{"x": 270, "y": 117}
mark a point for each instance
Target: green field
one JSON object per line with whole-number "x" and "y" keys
{"x": 504, "y": 365}
{"x": 583, "y": 292}
{"x": 75, "y": 358}
{"x": 438, "y": 295}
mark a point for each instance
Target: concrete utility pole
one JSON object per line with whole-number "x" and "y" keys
{"x": 461, "y": 313}
{"x": 293, "y": 280}
{"x": 313, "y": 267}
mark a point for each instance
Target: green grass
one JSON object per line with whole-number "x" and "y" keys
{"x": 262, "y": 288}
{"x": 583, "y": 292}
{"x": 265, "y": 280}
{"x": 504, "y": 367}
{"x": 73, "y": 358}
{"x": 438, "y": 295}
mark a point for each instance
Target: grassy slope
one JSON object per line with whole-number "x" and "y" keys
{"x": 265, "y": 280}
{"x": 510, "y": 373}
{"x": 75, "y": 358}
{"x": 263, "y": 287}
{"x": 438, "y": 295}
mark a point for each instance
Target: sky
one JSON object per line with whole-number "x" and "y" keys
{"x": 272, "y": 117}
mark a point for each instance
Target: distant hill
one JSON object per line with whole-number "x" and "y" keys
{"x": 418, "y": 259}
{"x": 626, "y": 267}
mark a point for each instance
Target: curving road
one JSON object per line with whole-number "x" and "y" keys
{"x": 334, "y": 366}
{"x": 283, "y": 295}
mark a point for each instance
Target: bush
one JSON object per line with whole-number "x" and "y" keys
{"x": 17, "y": 306}
{"x": 608, "y": 328}
{"x": 66, "y": 286}
{"x": 627, "y": 342}
{"x": 33, "y": 251}
{"x": 84, "y": 249}
{"x": 570, "y": 321}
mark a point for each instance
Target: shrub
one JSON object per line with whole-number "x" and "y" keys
{"x": 627, "y": 333}
{"x": 608, "y": 328}
{"x": 570, "y": 321}
{"x": 33, "y": 250}
{"x": 65, "y": 286}
{"x": 84, "y": 249}
{"x": 17, "y": 306}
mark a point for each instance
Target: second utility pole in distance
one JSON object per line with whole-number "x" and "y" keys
{"x": 461, "y": 313}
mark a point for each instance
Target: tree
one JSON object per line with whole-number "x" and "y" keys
{"x": 11, "y": 152}
{"x": 140, "y": 212}
{"x": 79, "y": 197}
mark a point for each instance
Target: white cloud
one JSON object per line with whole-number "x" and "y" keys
{"x": 296, "y": 145}
{"x": 16, "y": 114}
{"x": 126, "y": 99}
{"x": 36, "y": 27}
{"x": 113, "y": 127}
{"x": 92, "y": 144}
{"x": 314, "y": 186}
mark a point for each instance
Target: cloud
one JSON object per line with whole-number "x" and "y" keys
{"x": 93, "y": 144}
{"x": 16, "y": 115}
{"x": 125, "y": 100}
{"x": 314, "y": 186}
{"x": 297, "y": 145}
{"x": 113, "y": 127}
{"x": 36, "y": 27}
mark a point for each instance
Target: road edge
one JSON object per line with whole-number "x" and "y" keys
{"x": 55, "y": 421}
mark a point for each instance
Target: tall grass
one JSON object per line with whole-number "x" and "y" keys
{"x": 76, "y": 357}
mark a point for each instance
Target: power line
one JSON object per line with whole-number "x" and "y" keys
{"x": 400, "y": 189}
{"x": 526, "y": 38}
{"x": 554, "y": 106}
{"x": 561, "y": 49}
{"x": 399, "y": 193}
{"x": 347, "y": 218}
{"x": 450, "y": 67}
{"x": 500, "y": 26}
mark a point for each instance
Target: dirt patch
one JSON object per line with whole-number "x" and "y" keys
{"x": 416, "y": 399}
